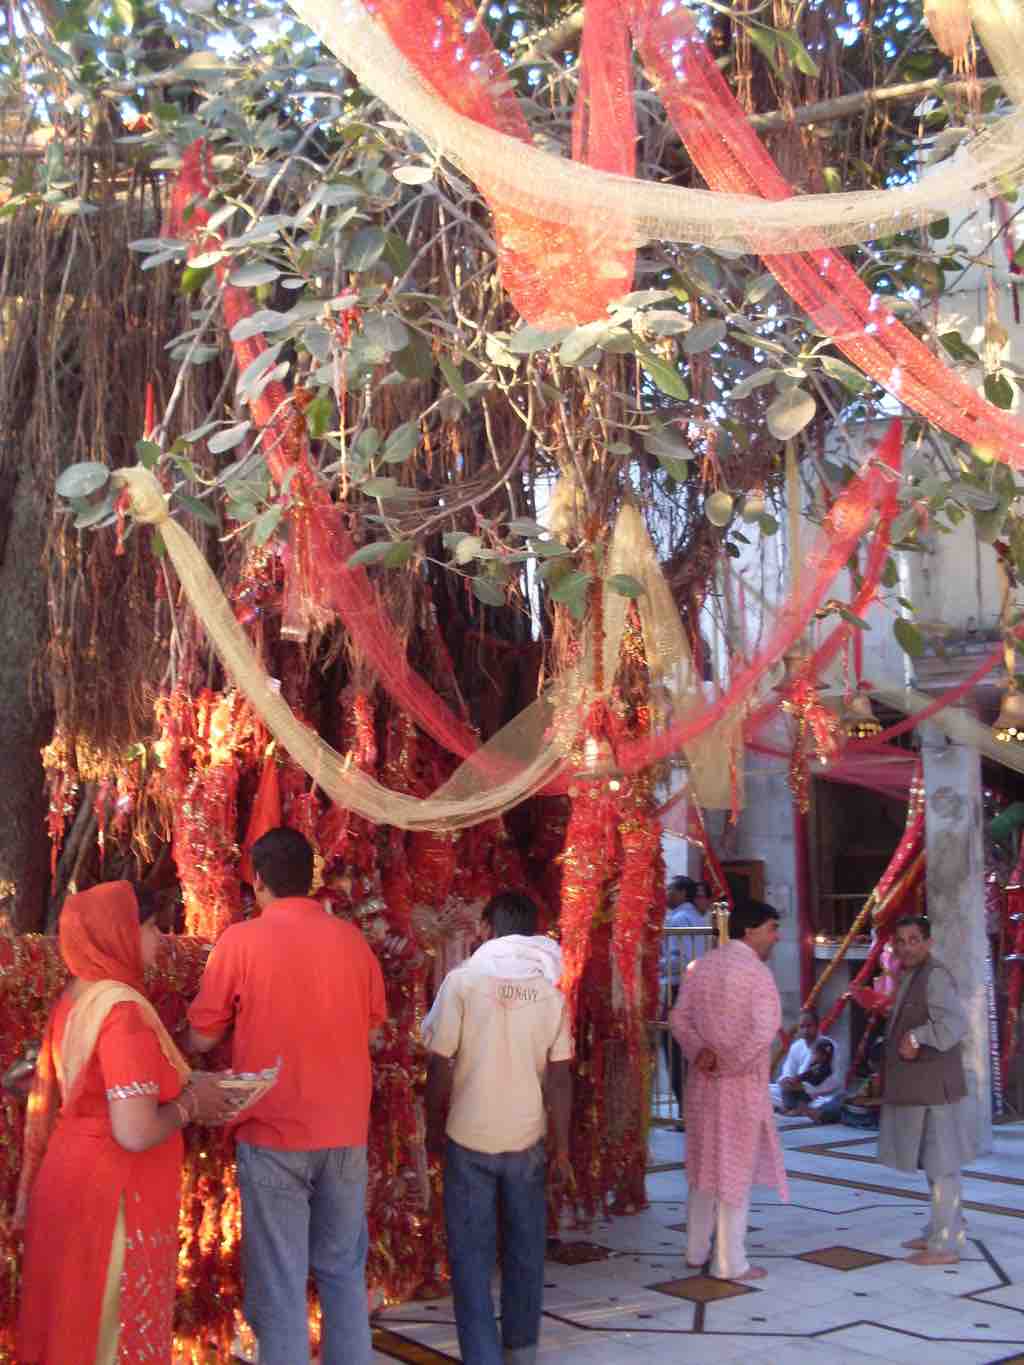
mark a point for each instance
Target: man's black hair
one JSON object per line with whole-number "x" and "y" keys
{"x": 809, "y": 1009}
{"x": 749, "y": 915}
{"x": 149, "y": 902}
{"x": 922, "y": 922}
{"x": 511, "y": 912}
{"x": 283, "y": 859}
{"x": 684, "y": 884}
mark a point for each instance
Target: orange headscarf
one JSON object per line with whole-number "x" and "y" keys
{"x": 99, "y": 935}
{"x": 101, "y": 943}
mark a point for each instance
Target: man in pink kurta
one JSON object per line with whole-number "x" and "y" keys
{"x": 726, "y": 1020}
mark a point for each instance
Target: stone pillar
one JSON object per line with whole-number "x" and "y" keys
{"x": 956, "y": 901}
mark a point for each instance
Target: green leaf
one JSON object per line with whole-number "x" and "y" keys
{"x": 890, "y": 574}
{"x": 401, "y": 443}
{"x": 665, "y": 377}
{"x": 988, "y": 526}
{"x": 523, "y": 526}
{"x": 367, "y": 443}
{"x": 202, "y": 511}
{"x": 206, "y": 259}
{"x": 95, "y": 516}
{"x": 82, "y": 480}
{"x": 704, "y": 336}
{"x": 759, "y": 287}
{"x": 790, "y": 413}
{"x": 625, "y": 584}
{"x": 767, "y": 523}
{"x": 489, "y": 592}
{"x": 416, "y": 360}
{"x": 149, "y": 453}
{"x": 266, "y": 524}
{"x": 413, "y": 175}
{"x": 909, "y": 638}
{"x": 999, "y": 390}
{"x": 125, "y": 12}
{"x": 797, "y": 53}
{"x": 572, "y": 585}
{"x": 674, "y": 467}
{"x": 453, "y": 378}
{"x": 667, "y": 441}
{"x": 373, "y": 553}
{"x": 379, "y": 488}
{"x": 192, "y": 279}
{"x": 847, "y": 375}
{"x": 904, "y": 524}
{"x": 319, "y": 414}
{"x": 256, "y": 272}
{"x": 766, "y": 42}
{"x": 853, "y": 618}
{"x": 958, "y": 348}
{"x": 400, "y": 553}
{"x": 228, "y": 438}
{"x": 549, "y": 549}
{"x": 365, "y": 249}
{"x": 581, "y": 340}
{"x": 527, "y": 340}
{"x": 467, "y": 549}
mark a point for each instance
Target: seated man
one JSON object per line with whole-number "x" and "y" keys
{"x": 816, "y": 1098}
{"x": 795, "y": 1091}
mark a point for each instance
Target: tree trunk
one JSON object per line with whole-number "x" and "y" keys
{"x": 25, "y": 711}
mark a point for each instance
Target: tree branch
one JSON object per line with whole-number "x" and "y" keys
{"x": 846, "y": 105}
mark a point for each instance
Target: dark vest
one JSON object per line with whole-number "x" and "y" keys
{"x": 933, "y": 1077}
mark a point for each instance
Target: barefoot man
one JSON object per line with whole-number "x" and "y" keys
{"x": 923, "y": 1088}
{"x": 726, "y": 1021}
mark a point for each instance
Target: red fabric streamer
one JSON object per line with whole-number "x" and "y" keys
{"x": 554, "y": 272}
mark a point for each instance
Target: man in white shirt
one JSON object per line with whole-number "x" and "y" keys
{"x": 501, "y": 1050}
{"x": 790, "y": 1094}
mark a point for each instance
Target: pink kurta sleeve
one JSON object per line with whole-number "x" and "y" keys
{"x": 683, "y": 1018}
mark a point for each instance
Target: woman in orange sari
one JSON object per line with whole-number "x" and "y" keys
{"x": 100, "y": 1180}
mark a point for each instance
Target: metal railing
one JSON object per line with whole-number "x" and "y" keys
{"x": 680, "y": 947}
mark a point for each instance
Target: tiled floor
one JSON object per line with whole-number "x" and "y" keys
{"x": 642, "y": 1300}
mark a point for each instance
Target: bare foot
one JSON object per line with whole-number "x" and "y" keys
{"x": 934, "y": 1258}
{"x": 696, "y": 1265}
{"x": 755, "y": 1272}
{"x": 915, "y": 1244}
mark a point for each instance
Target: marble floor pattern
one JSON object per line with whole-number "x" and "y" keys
{"x": 838, "y": 1291}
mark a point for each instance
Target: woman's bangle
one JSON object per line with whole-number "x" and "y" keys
{"x": 183, "y": 1113}
{"x": 190, "y": 1101}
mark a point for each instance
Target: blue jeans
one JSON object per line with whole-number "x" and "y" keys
{"x": 305, "y": 1211}
{"x": 476, "y": 1186}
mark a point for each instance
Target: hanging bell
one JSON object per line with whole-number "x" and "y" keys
{"x": 794, "y": 661}
{"x": 858, "y": 717}
{"x": 1009, "y": 724}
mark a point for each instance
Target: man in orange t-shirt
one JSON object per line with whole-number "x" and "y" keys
{"x": 300, "y": 987}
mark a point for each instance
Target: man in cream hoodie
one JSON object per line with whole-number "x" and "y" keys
{"x": 501, "y": 1049}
